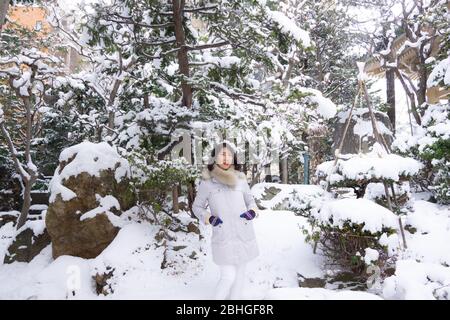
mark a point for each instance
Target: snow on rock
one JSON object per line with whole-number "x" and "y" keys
{"x": 357, "y": 211}
{"x": 318, "y": 294}
{"x": 88, "y": 157}
{"x": 364, "y": 128}
{"x": 106, "y": 204}
{"x": 93, "y": 158}
{"x": 67, "y": 277}
{"x": 37, "y": 226}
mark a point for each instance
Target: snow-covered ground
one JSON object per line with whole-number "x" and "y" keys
{"x": 421, "y": 270}
{"x": 283, "y": 254}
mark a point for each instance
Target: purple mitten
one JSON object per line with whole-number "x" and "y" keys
{"x": 215, "y": 220}
{"x": 249, "y": 215}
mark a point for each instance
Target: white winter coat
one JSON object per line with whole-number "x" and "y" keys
{"x": 233, "y": 241}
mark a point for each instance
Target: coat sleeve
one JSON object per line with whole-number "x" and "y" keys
{"x": 200, "y": 202}
{"x": 249, "y": 200}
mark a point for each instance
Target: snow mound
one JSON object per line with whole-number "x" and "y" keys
{"x": 418, "y": 281}
{"x": 430, "y": 241}
{"x": 359, "y": 211}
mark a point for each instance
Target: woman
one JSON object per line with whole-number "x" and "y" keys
{"x": 232, "y": 208}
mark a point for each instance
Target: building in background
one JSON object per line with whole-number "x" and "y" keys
{"x": 34, "y": 17}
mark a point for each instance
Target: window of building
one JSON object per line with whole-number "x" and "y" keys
{"x": 38, "y": 26}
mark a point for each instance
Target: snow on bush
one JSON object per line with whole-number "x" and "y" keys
{"x": 371, "y": 216}
{"x": 347, "y": 229}
{"x": 440, "y": 74}
{"x": 376, "y": 192}
{"x": 372, "y": 166}
{"x": 295, "y": 197}
{"x": 325, "y": 107}
{"x": 88, "y": 157}
{"x": 289, "y": 26}
{"x": 431, "y": 145}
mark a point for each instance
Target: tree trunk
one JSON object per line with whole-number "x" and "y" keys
{"x": 390, "y": 96}
{"x": 111, "y": 100}
{"x": 176, "y": 207}
{"x": 183, "y": 61}
{"x": 26, "y": 204}
{"x": 284, "y": 170}
{"x": 411, "y": 96}
{"x": 4, "y": 6}
{"x": 422, "y": 89}
{"x": 191, "y": 196}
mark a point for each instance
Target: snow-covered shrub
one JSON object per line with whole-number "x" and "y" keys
{"x": 431, "y": 145}
{"x": 298, "y": 198}
{"x": 154, "y": 180}
{"x": 354, "y": 233}
{"x": 359, "y": 170}
{"x": 373, "y": 167}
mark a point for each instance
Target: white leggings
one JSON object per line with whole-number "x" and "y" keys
{"x": 231, "y": 282}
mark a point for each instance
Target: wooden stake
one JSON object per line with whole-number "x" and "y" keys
{"x": 388, "y": 197}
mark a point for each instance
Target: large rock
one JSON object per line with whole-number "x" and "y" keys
{"x": 360, "y": 127}
{"x": 89, "y": 191}
{"x": 28, "y": 243}
{"x": 8, "y": 216}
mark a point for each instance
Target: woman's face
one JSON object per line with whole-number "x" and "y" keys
{"x": 224, "y": 158}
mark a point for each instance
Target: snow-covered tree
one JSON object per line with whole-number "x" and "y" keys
{"x": 224, "y": 64}
{"x": 29, "y": 75}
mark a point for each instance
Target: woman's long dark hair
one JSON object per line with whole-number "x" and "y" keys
{"x": 218, "y": 148}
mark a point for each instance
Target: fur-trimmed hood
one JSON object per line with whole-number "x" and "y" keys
{"x": 228, "y": 177}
